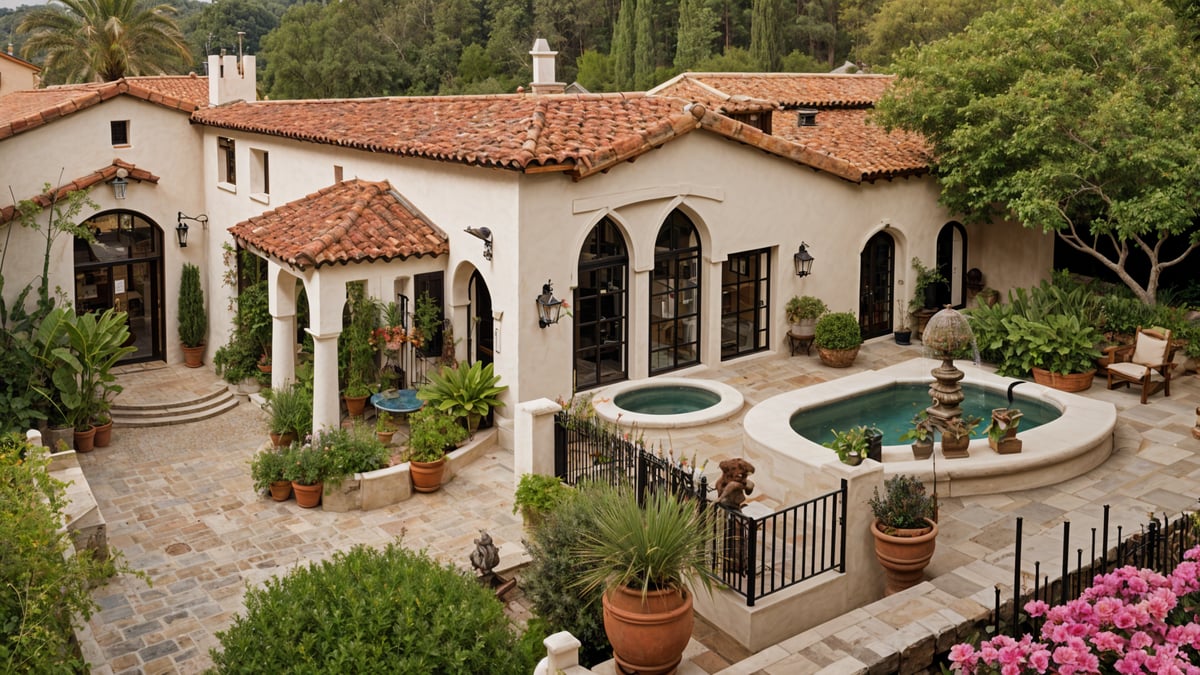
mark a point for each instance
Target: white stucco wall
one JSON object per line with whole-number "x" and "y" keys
{"x": 16, "y": 77}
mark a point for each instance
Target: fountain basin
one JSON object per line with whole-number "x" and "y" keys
{"x": 1079, "y": 440}
{"x": 660, "y": 402}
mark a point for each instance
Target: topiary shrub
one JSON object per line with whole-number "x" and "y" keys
{"x": 838, "y": 330}
{"x": 371, "y": 611}
{"x": 193, "y": 320}
{"x": 550, "y": 581}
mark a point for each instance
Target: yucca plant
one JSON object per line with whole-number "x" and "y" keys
{"x": 464, "y": 391}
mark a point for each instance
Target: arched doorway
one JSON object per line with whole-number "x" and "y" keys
{"x": 601, "y": 308}
{"x": 675, "y": 296}
{"x": 481, "y": 340}
{"x": 952, "y": 263}
{"x": 123, "y": 269}
{"x": 877, "y": 272}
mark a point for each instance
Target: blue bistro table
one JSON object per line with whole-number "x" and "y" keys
{"x": 397, "y": 401}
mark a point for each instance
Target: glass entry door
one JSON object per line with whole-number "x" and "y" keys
{"x": 675, "y": 296}
{"x": 877, "y": 272}
{"x": 745, "y": 297}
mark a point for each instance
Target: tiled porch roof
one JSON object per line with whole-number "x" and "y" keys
{"x": 83, "y": 183}
{"x": 24, "y": 110}
{"x": 580, "y": 134}
{"x": 351, "y": 221}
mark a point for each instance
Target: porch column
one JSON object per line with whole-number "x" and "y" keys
{"x": 533, "y": 438}
{"x": 326, "y": 411}
{"x": 283, "y": 351}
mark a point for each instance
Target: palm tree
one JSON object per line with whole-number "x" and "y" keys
{"x": 104, "y": 40}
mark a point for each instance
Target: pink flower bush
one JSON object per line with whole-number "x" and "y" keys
{"x": 1130, "y": 621}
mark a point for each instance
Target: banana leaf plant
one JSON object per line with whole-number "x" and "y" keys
{"x": 78, "y": 354}
{"x": 464, "y": 391}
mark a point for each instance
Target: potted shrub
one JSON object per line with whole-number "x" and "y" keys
{"x": 850, "y": 445}
{"x": 431, "y": 433}
{"x": 356, "y": 352}
{"x": 1002, "y": 430}
{"x": 645, "y": 558}
{"x": 385, "y": 427}
{"x": 838, "y": 338}
{"x": 193, "y": 319}
{"x": 904, "y": 530}
{"x": 921, "y": 434}
{"x": 924, "y": 295}
{"x": 1060, "y": 350}
{"x": 469, "y": 392}
{"x": 902, "y": 334}
{"x": 306, "y": 470}
{"x": 802, "y": 313}
{"x": 290, "y": 409}
{"x": 536, "y": 496}
{"x": 267, "y": 470}
{"x": 956, "y": 436}
{"x": 355, "y": 395}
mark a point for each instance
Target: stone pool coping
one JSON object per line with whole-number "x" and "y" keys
{"x": 1076, "y": 442}
{"x": 730, "y": 404}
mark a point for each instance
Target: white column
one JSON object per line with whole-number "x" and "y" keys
{"x": 533, "y": 438}
{"x": 283, "y": 351}
{"x": 326, "y": 411}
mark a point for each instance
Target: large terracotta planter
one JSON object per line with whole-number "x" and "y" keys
{"x": 193, "y": 357}
{"x": 1069, "y": 382}
{"x": 308, "y": 496}
{"x": 103, "y": 434}
{"x": 427, "y": 476}
{"x": 838, "y": 358}
{"x": 904, "y": 554}
{"x": 648, "y": 637}
{"x": 355, "y": 405}
{"x": 85, "y": 441}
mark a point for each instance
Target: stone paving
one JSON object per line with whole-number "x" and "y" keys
{"x": 179, "y": 505}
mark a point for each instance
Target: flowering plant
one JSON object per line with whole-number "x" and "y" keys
{"x": 1130, "y": 621}
{"x": 390, "y": 338}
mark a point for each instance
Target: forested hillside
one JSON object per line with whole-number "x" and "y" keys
{"x": 406, "y": 47}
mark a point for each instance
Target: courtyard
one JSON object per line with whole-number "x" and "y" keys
{"x": 179, "y": 505}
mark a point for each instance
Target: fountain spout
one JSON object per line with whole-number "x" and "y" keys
{"x": 1010, "y": 391}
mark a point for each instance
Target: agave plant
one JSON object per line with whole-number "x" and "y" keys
{"x": 464, "y": 391}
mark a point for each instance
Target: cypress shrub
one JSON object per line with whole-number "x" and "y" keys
{"x": 193, "y": 321}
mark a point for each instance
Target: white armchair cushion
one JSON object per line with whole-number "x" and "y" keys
{"x": 1150, "y": 351}
{"x": 1134, "y": 371}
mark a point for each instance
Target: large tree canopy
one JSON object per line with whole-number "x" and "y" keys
{"x": 1077, "y": 117}
{"x": 104, "y": 40}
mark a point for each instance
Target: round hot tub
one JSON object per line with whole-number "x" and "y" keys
{"x": 667, "y": 402}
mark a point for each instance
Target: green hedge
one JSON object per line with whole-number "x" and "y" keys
{"x": 372, "y": 611}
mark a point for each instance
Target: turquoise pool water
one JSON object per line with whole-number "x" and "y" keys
{"x": 666, "y": 399}
{"x": 891, "y": 409}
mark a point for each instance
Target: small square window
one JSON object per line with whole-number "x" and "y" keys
{"x": 337, "y": 173}
{"x": 119, "y": 130}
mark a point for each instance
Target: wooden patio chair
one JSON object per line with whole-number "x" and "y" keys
{"x": 1147, "y": 363}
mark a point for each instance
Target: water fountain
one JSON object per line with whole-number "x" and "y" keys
{"x": 946, "y": 334}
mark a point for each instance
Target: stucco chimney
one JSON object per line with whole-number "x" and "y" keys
{"x": 230, "y": 81}
{"x": 10, "y": 49}
{"x": 543, "y": 69}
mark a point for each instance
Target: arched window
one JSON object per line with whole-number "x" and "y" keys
{"x": 877, "y": 274}
{"x": 675, "y": 296}
{"x": 601, "y": 308}
{"x": 952, "y": 263}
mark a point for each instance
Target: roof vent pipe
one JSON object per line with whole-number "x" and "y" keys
{"x": 806, "y": 117}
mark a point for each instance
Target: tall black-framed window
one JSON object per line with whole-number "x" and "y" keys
{"x": 601, "y": 308}
{"x": 675, "y": 296}
{"x": 745, "y": 299}
{"x": 877, "y": 275}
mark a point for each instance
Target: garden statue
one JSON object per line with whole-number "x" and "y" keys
{"x": 486, "y": 555}
{"x": 734, "y": 483}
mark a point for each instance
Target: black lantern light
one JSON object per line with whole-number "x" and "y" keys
{"x": 485, "y": 235}
{"x": 119, "y": 184}
{"x": 803, "y": 260}
{"x": 549, "y": 307}
{"x": 181, "y": 230}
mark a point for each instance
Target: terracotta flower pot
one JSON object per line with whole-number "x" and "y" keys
{"x": 85, "y": 441}
{"x": 648, "y": 637}
{"x": 838, "y": 358}
{"x": 904, "y": 554}
{"x": 1070, "y": 382}
{"x": 193, "y": 357}
{"x": 282, "y": 440}
{"x": 427, "y": 476}
{"x": 103, "y": 434}
{"x": 385, "y": 437}
{"x": 308, "y": 496}
{"x": 281, "y": 490}
{"x": 922, "y": 449}
{"x": 355, "y": 405}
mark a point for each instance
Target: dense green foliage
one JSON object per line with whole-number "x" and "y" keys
{"x": 44, "y": 584}
{"x": 549, "y": 582}
{"x": 193, "y": 318}
{"x": 250, "y": 338}
{"x": 290, "y": 409}
{"x": 369, "y": 611}
{"x": 464, "y": 391}
{"x": 357, "y": 368}
{"x": 431, "y": 432}
{"x": 838, "y": 330}
{"x": 904, "y": 504}
{"x": 350, "y": 451}
{"x": 1072, "y": 117}
{"x": 537, "y": 495}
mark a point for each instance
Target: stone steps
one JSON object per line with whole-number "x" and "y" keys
{"x": 219, "y": 400}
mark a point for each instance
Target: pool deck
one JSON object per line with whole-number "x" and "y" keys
{"x": 179, "y": 505}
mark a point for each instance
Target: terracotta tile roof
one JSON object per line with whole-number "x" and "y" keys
{"x": 351, "y": 221}
{"x": 83, "y": 183}
{"x": 792, "y": 90}
{"x": 850, "y": 135}
{"x": 578, "y": 133}
{"x": 690, "y": 89}
{"x": 24, "y": 110}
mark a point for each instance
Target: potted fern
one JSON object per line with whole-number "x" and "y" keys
{"x": 193, "y": 320}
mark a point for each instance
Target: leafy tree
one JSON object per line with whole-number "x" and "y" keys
{"x": 900, "y": 23}
{"x": 1077, "y": 118}
{"x": 853, "y": 18}
{"x": 734, "y": 60}
{"x": 799, "y": 62}
{"x": 595, "y": 72}
{"x": 817, "y": 26}
{"x": 104, "y": 40}
{"x": 697, "y": 30}
{"x": 622, "y": 46}
{"x": 766, "y": 34}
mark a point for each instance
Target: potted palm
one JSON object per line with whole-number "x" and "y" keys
{"x": 645, "y": 559}
{"x": 904, "y": 530}
{"x": 838, "y": 338}
{"x": 802, "y": 313}
{"x": 431, "y": 433}
{"x": 193, "y": 320}
{"x": 467, "y": 392}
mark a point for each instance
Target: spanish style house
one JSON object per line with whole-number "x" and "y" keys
{"x": 668, "y": 220}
